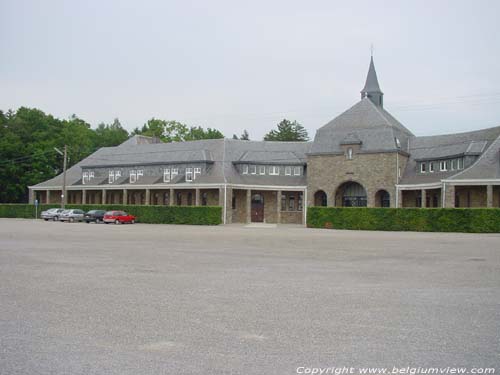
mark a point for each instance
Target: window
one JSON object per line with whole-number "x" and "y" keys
{"x": 442, "y": 166}
{"x": 166, "y": 175}
{"x": 189, "y": 174}
{"x": 111, "y": 177}
{"x": 253, "y": 169}
{"x": 175, "y": 172}
{"x": 349, "y": 153}
{"x": 196, "y": 172}
{"x": 204, "y": 199}
{"x": 179, "y": 199}
{"x": 190, "y": 199}
{"x": 454, "y": 164}
{"x": 274, "y": 170}
{"x": 140, "y": 173}
{"x": 288, "y": 171}
{"x": 422, "y": 167}
{"x": 460, "y": 163}
{"x": 91, "y": 175}
{"x": 300, "y": 202}
{"x": 233, "y": 203}
{"x": 262, "y": 169}
{"x": 297, "y": 171}
{"x": 133, "y": 176}
{"x": 245, "y": 169}
{"x": 431, "y": 167}
{"x": 85, "y": 177}
{"x": 283, "y": 202}
{"x": 291, "y": 204}
{"x": 118, "y": 174}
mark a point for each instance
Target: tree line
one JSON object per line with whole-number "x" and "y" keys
{"x": 28, "y": 138}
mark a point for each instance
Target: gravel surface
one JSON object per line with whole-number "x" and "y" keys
{"x": 159, "y": 299}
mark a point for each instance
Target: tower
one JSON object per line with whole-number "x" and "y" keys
{"x": 372, "y": 88}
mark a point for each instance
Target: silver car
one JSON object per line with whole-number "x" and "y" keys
{"x": 51, "y": 214}
{"x": 72, "y": 215}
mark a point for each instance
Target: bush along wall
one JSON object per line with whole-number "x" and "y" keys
{"x": 196, "y": 215}
{"x": 469, "y": 220}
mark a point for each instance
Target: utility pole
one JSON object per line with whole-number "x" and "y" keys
{"x": 65, "y": 156}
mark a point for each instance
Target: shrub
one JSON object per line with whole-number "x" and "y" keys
{"x": 196, "y": 215}
{"x": 473, "y": 220}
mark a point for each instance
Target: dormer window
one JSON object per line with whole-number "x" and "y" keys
{"x": 288, "y": 171}
{"x": 349, "y": 153}
{"x": 189, "y": 174}
{"x": 423, "y": 168}
{"x": 274, "y": 170}
{"x": 111, "y": 177}
{"x": 297, "y": 171}
{"x": 85, "y": 177}
{"x": 245, "y": 169}
{"x": 431, "y": 167}
{"x": 253, "y": 169}
{"x": 262, "y": 169}
{"x": 132, "y": 176}
{"x": 196, "y": 172}
{"x": 166, "y": 175}
{"x": 443, "y": 166}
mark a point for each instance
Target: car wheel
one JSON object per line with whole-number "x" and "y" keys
{"x": 97, "y": 221}
{"x": 46, "y": 219}
{"x": 132, "y": 221}
{"x": 117, "y": 221}
{"x": 55, "y": 218}
{"x": 71, "y": 220}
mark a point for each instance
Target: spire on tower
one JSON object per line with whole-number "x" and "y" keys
{"x": 372, "y": 88}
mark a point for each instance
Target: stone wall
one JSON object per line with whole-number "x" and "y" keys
{"x": 374, "y": 172}
{"x": 470, "y": 196}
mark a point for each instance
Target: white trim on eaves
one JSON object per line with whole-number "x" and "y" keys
{"x": 170, "y": 186}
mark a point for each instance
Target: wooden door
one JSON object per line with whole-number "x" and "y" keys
{"x": 257, "y": 211}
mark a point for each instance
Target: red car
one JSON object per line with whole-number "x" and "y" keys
{"x": 118, "y": 217}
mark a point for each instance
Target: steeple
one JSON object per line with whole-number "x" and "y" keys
{"x": 372, "y": 89}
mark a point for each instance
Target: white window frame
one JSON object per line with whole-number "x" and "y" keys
{"x": 262, "y": 169}
{"x": 423, "y": 167}
{"x": 118, "y": 174}
{"x": 91, "y": 175}
{"x": 453, "y": 164}
{"x": 166, "y": 174}
{"x": 297, "y": 171}
{"x": 189, "y": 174}
{"x": 442, "y": 166}
{"x": 85, "y": 177}
{"x": 174, "y": 172}
{"x": 274, "y": 170}
{"x": 140, "y": 173}
{"x": 196, "y": 171}
{"x": 111, "y": 177}
{"x": 431, "y": 167}
{"x": 460, "y": 163}
{"x": 349, "y": 153}
{"x": 245, "y": 169}
{"x": 288, "y": 171}
{"x": 253, "y": 169}
{"x": 132, "y": 176}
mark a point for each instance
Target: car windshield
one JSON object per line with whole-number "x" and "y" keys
{"x": 92, "y": 212}
{"x": 77, "y": 211}
{"x": 52, "y": 210}
{"x": 109, "y": 213}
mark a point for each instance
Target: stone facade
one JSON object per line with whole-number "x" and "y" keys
{"x": 373, "y": 171}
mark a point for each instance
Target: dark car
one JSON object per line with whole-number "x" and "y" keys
{"x": 95, "y": 216}
{"x": 118, "y": 217}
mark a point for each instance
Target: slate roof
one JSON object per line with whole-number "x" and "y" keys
{"x": 448, "y": 146}
{"x": 376, "y": 128}
{"x": 221, "y": 156}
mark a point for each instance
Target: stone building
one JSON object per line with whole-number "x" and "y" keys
{"x": 363, "y": 157}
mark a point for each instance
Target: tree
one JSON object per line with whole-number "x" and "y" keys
{"x": 288, "y": 131}
{"x": 245, "y": 136}
{"x": 174, "y": 131}
{"x": 110, "y": 135}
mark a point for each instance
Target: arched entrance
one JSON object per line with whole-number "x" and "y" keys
{"x": 382, "y": 199}
{"x": 351, "y": 194}
{"x": 320, "y": 198}
{"x": 257, "y": 210}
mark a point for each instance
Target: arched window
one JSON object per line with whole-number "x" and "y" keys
{"x": 320, "y": 198}
{"x": 352, "y": 194}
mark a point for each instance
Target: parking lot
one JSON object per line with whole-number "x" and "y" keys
{"x": 80, "y": 298}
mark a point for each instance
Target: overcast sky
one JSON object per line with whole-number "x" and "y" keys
{"x": 237, "y": 65}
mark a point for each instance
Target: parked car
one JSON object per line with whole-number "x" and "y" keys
{"x": 72, "y": 215}
{"x": 96, "y": 216}
{"x": 118, "y": 217}
{"x": 51, "y": 214}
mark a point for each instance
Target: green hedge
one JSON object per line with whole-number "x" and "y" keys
{"x": 471, "y": 220}
{"x": 197, "y": 215}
